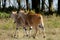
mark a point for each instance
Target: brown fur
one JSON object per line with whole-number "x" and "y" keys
{"x": 35, "y": 20}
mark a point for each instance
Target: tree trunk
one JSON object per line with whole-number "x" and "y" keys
{"x": 27, "y": 4}
{"x": 4, "y": 5}
{"x": 18, "y": 1}
{"x": 58, "y": 8}
{"x": 0, "y": 4}
{"x": 50, "y": 7}
{"x": 19, "y": 6}
{"x": 43, "y": 7}
{"x": 36, "y": 5}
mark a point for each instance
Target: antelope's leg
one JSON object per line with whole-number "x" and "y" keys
{"x": 30, "y": 30}
{"x": 43, "y": 30}
{"x": 25, "y": 30}
{"x": 16, "y": 31}
{"x": 36, "y": 29}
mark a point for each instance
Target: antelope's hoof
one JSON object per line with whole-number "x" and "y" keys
{"x": 44, "y": 36}
{"x": 15, "y": 36}
{"x": 34, "y": 37}
{"x": 26, "y": 35}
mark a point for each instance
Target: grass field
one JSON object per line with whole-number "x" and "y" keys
{"x": 52, "y": 28}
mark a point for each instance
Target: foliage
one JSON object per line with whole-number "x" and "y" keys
{"x": 4, "y": 15}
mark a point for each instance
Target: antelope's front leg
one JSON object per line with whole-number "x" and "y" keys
{"x": 25, "y": 30}
{"x": 16, "y": 31}
{"x": 36, "y": 29}
{"x": 30, "y": 30}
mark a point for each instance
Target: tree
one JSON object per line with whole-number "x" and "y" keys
{"x": 0, "y": 4}
{"x": 50, "y": 6}
{"x": 4, "y": 4}
{"x": 27, "y": 4}
{"x": 18, "y": 1}
{"x": 36, "y": 5}
{"x": 58, "y": 8}
{"x": 43, "y": 2}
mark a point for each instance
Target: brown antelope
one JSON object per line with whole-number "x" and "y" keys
{"x": 29, "y": 20}
{"x": 35, "y": 21}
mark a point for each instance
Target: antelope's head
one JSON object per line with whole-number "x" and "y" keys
{"x": 14, "y": 14}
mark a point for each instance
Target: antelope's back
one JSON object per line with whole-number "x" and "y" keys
{"x": 34, "y": 19}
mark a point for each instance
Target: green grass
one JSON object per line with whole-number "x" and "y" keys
{"x": 52, "y": 29}
{"x": 4, "y": 15}
{"x": 52, "y": 21}
{"x": 6, "y": 24}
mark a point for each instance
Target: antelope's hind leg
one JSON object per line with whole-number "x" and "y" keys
{"x": 25, "y": 30}
{"x": 43, "y": 30}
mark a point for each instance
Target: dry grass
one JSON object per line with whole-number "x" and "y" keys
{"x": 52, "y": 27}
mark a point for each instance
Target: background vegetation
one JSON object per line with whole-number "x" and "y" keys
{"x": 45, "y": 6}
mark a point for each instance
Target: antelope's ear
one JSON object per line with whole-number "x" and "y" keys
{"x": 14, "y": 12}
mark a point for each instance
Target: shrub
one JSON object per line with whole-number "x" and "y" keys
{"x": 4, "y": 15}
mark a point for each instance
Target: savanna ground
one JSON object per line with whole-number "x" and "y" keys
{"x": 52, "y": 28}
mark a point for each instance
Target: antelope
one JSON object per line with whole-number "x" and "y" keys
{"x": 29, "y": 20}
